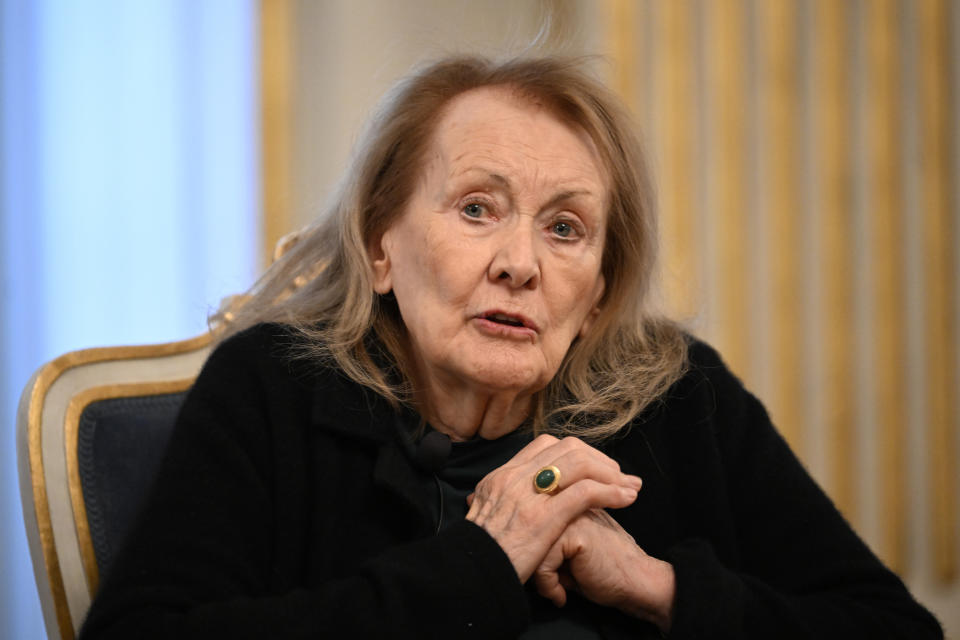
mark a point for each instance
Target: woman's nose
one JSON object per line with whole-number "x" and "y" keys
{"x": 516, "y": 260}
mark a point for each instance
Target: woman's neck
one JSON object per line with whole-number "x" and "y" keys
{"x": 464, "y": 411}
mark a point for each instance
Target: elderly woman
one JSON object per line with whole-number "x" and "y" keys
{"x": 433, "y": 416}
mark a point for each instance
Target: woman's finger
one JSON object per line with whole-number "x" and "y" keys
{"x": 545, "y": 448}
{"x": 579, "y": 464}
{"x": 526, "y": 525}
{"x": 576, "y": 447}
{"x": 539, "y": 444}
{"x": 547, "y": 577}
{"x": 525, "y": 522}
{"x": 604, "y": 564}
{"x": 588, "y": 494}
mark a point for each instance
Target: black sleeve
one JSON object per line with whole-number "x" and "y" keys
{"x": 802, "y": 572}
{"x": 203, "y": 560}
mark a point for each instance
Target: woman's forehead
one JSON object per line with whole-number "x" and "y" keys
{"x": 480, "y": 111}
{"x": 483, "y": 128}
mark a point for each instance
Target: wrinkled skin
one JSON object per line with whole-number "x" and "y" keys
{"x": 566, "y": 540}
{"x": 509, "y": 216}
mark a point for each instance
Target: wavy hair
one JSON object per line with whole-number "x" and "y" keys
{"x": 322, "y": 287}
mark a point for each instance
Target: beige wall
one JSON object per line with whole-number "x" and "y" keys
{"x": 806, "y": 154}
{"x": 348, "y": 53}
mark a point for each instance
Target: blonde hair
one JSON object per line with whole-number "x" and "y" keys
{"x": 322, "y": 287}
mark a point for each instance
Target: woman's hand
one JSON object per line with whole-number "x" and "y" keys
{"x": 597, "y": 558}
{"x": 525, "y": 523}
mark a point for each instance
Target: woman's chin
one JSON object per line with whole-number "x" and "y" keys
{"x": 490, "y": 366}
{"x": 508, "y": 374}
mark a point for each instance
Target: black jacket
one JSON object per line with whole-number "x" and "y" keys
{"x": 286, "y": 509}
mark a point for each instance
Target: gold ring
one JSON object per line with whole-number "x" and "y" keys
{"x": 547, "y": 479}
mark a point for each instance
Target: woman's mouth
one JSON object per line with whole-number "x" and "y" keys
{"x": 503, "y": 318}
{"x": 507, "y": 325}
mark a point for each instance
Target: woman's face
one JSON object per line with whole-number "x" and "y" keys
{"x": 495, "y": 262}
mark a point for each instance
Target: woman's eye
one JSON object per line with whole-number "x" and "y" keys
{"x": 562, "y": 229}
{"x": 473, "y": 210}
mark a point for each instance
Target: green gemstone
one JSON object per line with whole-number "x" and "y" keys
{"x": 545, "y": 478}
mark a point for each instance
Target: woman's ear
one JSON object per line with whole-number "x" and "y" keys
{"x": 595, "y": 310}
{"x": 380, "y": 263}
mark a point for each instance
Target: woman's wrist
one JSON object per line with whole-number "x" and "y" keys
{"x": 653, "y": 591}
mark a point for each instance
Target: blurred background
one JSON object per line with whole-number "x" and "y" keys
{"x": 805, "y": 152}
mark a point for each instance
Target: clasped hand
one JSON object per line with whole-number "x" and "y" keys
{"x": 566, "y": 540}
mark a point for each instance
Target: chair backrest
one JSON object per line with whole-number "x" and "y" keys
{"x": 91, "y": 429}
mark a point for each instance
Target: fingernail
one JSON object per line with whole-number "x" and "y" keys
{"x": 629, "y": 493}
{"x": 635, "y": 481}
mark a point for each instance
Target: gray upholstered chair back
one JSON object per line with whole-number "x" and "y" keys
{"x": 120, "y": 442}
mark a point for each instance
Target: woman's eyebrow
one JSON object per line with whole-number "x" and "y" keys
{"x": 563, "y": 196}
{"x": 490, "y": 175}
{"x": 505, "y": 183}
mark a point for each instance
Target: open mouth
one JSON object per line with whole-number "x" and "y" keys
{"x": 502, "y": 318}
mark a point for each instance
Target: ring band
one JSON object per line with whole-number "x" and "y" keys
{"x": 547, "y": 479}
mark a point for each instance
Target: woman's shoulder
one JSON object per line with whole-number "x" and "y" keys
{"x": 279, "y": 363}
{"x": 706, "y": 367}
{"x": 708, "y": 392}
{"x": 264, "y": 355}
{"x": 267, "y": 338}
{"x": 268, "y": 345}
